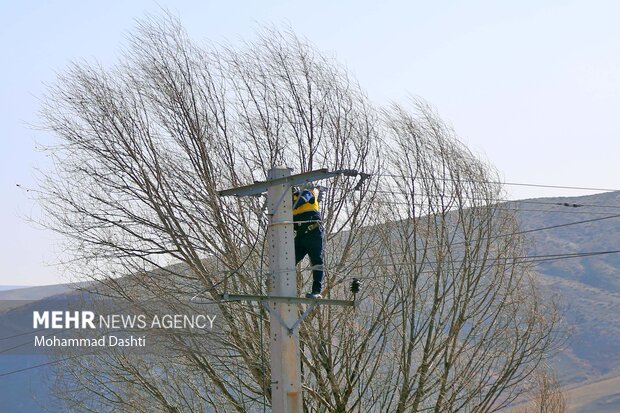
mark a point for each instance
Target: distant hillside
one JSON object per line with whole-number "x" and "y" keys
{"x": 37, "y": 293}
{"x": 26, "y": 390}
{"x": 589, "y": 287}
{"x": 11, "y": 287}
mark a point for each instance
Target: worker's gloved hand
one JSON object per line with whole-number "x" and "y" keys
{"x": 308, "y": 196}
{"x": 322, "y": 192}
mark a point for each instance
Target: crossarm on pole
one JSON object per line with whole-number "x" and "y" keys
{"x": 289, "y": 300}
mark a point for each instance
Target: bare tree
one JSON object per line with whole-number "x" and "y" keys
{"x": 469, "y": 323}
{"x": 545, "y": 394}
{"x": 450, "y": 318}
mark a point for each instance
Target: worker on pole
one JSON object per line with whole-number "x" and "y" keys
{"x": 309, "y": 233}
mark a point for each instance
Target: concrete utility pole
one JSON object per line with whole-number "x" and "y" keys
{"x": 285, "y": 360}
{"x": 282, "y": 301}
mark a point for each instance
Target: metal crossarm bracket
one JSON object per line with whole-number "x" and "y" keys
{"x": 291, "y": 329}
{"x": 258, "y": 188}
{"x": 264, "y": 300}
{"x": 288, "y": 300}
{"x": 303, "y": 316}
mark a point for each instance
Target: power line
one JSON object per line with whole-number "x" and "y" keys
{"x": 585, "y": 221}
{"x": 513, "y": 260}
{"x": 581, "y": 188}
{"x": 553, "y": 257}
{"x": 38, "y": 365}
{"x": 30, "y": 341}
{"x": 235, "y": 271}
{"x": 528, "y": 231}
{"x": 22, "y": 334}
{"x": 504, "y": 208}
{"x": 481, "y": 181}
{"x": 503, "y": 204}
{"x": 501, "y": 201}
{"x": 564, "y": 204}
{"x": 550, "y": 211}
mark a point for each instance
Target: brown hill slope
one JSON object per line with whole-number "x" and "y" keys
{"x": 589, "y": 287}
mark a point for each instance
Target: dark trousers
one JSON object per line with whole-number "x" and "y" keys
{"x": 311, "y": 243}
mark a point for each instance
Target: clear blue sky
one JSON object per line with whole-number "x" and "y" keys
{"x": 532, "y": 86}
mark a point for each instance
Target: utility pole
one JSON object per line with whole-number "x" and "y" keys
{"x": 285, "y": 360}
{"x": 282, "y": 301}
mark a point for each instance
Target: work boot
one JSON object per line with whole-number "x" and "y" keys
{"x": 313, "y": 295}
